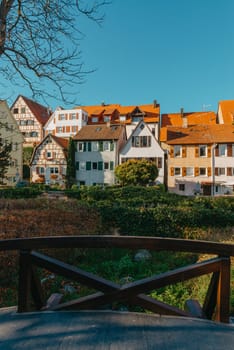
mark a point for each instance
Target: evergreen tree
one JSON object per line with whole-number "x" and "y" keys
{"x": 71, "y": 168}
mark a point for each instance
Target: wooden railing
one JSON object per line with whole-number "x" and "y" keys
{"x": 216, "y": 304}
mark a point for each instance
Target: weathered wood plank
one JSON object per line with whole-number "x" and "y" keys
{"x": 24, "y": 284}
{"x": 211, "y": 296}
{"x": 223, "y": 295}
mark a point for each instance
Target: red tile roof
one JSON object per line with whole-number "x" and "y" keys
{"x": 40, "y": 112}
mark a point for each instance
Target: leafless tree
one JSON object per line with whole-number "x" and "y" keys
{"x": 40, "y": 42}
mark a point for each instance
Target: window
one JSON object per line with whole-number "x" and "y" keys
{"x": 189, "y": 171}
{"x": 16, "y": 110}
{"x": 30, "y": 122}
{"x": 41, "y": 170}
{"x": 122, "y": 118}
{"x": 106, "y": 165}
{"x": 82, "y": 165}
{"x": 177, "y": 171}
{"x": 80, "y": 147}
{"x": 181, "y": 187}
{"x": 202, "y": 151}
{"x": 106, "y": 119}
{"x": 23, "y": 110}
{"x": 74, "y": 128}
{"x": 61, "y": 117}
{"x": 95, "y": 165}
{"x": 73, "y": 116}
{"x": 54, "y": 170}
{"x": 221, "y": 171}
{"x": 105, "y": 146}
{"x": 48, "y": 154}
{"x": 111, "y": 165}
{"x": 59, "y": 129}
{"x": 141, "y": 141}
{"x": 95, "y": 146}
{"x": 222, "y": 150}
{"x": 202, "y": 171}
{"x": 232, "y": 150}
{"x": 94, "y": 119}
{"x": 177, "y": 151}
{"x": 33, "y": 134}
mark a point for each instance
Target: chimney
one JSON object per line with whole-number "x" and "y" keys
{"x": 155, "y": 103}
{"x": 184, "y": 118}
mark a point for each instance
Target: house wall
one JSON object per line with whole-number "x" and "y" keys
{"x": 95, "y": 176}
{"x": 224, "y": 170}
{"x": 153, "y": 152}
{"x": 49, "y": 163}
{"x": 10, "y": 132}
{"x": 189, "y": 159}
{"x": 31, "y": 129}
{"x": 66, "y": 123}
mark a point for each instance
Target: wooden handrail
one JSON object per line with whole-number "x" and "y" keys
{"x": 218, "y": 293}
{"x": 131, "y": 242}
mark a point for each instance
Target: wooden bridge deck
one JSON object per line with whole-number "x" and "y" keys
{"x": 101, "y": 330}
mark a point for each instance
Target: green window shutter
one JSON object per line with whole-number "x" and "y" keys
{"x": 100, "y": 165}
{"x": 77, "y": 165}
{"x": 84, "y": 146}
{"x": 112, "y": 146}
{"x": 111, "y": 165}
{"x": 89, "y": 147}
{"x": 88, "y": 165}
{"x": 100, "y": 146}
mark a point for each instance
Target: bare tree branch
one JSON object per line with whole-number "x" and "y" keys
{"x": 41, "y": 38}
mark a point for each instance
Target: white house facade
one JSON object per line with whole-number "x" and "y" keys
{"x": 97, "y": 153}
{"x": 66, "y": 122}
{"x": 142, "y": 144}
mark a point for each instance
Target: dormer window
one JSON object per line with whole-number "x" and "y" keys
{"x": 94, "y": 119}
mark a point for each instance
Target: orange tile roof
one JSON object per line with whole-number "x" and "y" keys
{"x": 149, "y": 109}
{"x": 41, "y": 113}
{"x": 99, "y": 132}
{"x": 227, "y": 108}
{"x": 198, "y": 134}
{"x": 193, "y": 118}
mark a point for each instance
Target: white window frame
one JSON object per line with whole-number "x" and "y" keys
{"x": 222, "y": 150}
{"x": 177, "y": 151}
{"x": 190, "y": 171}
{"x": 179, "y": 171}
{"x": 201, "y": 147}
{"x": 200, "y": 169}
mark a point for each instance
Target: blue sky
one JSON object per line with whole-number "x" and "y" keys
{"x": 179, "y": 52}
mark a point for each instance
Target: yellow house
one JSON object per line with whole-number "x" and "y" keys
{"x": 10, "y": 133}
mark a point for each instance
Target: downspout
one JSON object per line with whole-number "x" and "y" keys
{"x": 213, "y": 167}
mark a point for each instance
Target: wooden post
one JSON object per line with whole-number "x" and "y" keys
{"x": 223, "y": 293}
{"x": 25, "y": 276}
